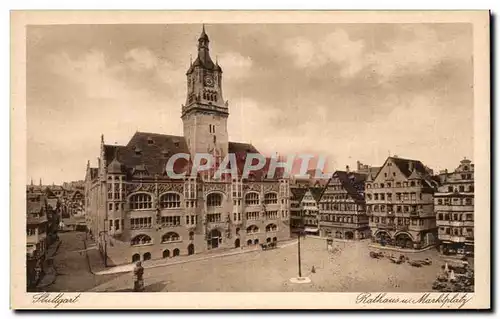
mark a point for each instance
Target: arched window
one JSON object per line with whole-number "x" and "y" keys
{"x": 166, "y": 253}
{"x": 170, "y": 200}
{"x": 141, "y": 240}
{"x": 176, "y": 252}
{"x": 252, "y": 199}
{"x": 141, "y": 201}
{"x": 252, "y": 229}
{"x": 191, "y": 235}
{"x": 169, "y": 237}
{"x": 271, "y": 227}
{"x": 136, "y": 257}
{"x": 147, "y": 256}
{"x": 471, "y": 188}
{"x": 214, "y": 200}
{"x": 270, "y": 198}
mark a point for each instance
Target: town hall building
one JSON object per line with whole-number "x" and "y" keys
{"x": 136, "y": 211}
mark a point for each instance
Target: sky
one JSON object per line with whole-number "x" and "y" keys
{"x": 345, "y": 91}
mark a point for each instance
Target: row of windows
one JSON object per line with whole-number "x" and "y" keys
{"x": 338, "y": 219}
{"x": 397, "y": 221}
{"x": 142, "y": 222}
{"x": 461, "y": 189}
{"x": 455, "y": 201}
{"x": 116, "y": 206}
{"x": 330, "y": 198}
{"x": 392, "y": 208}
{"x": 340, "y": 207}
{"x": 397, "y": 184}
{"x": 116, "y": 224}
{"x": 210, "y": 97}
{"x": 399, "y": 196}
{"x": 309, "y": 204}
{"x": 271, "y": 214}
{"x": 214, "y": 218}
{"x": 173, "y": 200}
{"x": 253, "y": 215}
{"x": 456, "y": 231}
{"x": 455, "y": 216}
{"x": 309, "y": 221}
{"x": 171, "y": 220}
{"x": 167, "y": 238}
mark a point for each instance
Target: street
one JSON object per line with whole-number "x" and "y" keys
{"x": 73, "y": 273}
{"x": 348, "y": 269}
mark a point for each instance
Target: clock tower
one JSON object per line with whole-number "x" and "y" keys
{"x": 205, "y": 113}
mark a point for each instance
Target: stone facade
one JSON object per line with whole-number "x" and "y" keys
{"x": 138, "y": 212}
{"x": 454, "y": 207}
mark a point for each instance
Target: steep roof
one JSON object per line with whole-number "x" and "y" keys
{"x": 352, "y": 182}
{"x": 150, "y": 152}
{"x": 298, "y": 193}
{"x": 406, "y": 166}
{"x": 316, "y": 192}
{"x": 33, "y": 207}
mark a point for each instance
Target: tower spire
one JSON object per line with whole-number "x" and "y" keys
{"x": 31, "y": 181}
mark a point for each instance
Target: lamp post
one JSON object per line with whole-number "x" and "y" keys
{"x": 298, "y": 254}
{"x": 300, "y": 279}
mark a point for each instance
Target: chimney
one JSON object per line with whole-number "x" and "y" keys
{"x": 347, "y": 168}
{"x": 410, "y": 166}
{"x": 358, "y": 164}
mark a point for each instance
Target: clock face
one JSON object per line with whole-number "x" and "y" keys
{"x": 209, "y": 81}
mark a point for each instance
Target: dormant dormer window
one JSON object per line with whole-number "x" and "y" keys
{"x": 150, "y": 141}
{"x": 137, "y": 150}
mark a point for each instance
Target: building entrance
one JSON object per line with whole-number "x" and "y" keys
{"x": 215, "y": 238}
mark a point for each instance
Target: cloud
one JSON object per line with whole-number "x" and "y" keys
{"x": 350, "y": 92}
{"x": 140, "y": 59}
{"x": 418, "y": 51}
{"x": 235, "y": 65}
{"x": 336, "y": 47}
{"x": 90, "y": 71}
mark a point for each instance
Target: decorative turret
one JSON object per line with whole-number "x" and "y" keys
{"x": 205, "y": 112}
{"x": 115, "y": 167}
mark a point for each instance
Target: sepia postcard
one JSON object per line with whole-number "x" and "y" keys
{"x": 250, "y": 160}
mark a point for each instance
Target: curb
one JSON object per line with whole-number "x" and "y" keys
{"x": 238, "y": 252}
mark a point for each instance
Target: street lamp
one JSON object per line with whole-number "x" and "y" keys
{"x": 300, "y": 279}
{"x": 105, "y": 247}
{"x": 298, "y": 255}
